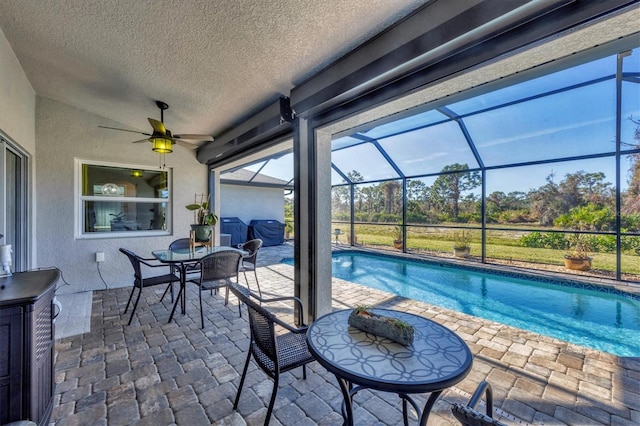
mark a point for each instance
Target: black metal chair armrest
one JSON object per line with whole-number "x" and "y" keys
{"x": 482, "y": 387}
{"x": 302, "y": 329}
{"x": 296, "y": 300}
{"x": 469, "y": 416}
{"x": 240, "y": 290}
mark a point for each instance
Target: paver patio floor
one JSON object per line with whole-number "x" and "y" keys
{"x": 155, "y": 373}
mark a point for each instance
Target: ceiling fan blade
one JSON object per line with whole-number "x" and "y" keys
{"x": 203, "y": 138}
{"x": 141, "y": 140}
{"x": 125, "y": 130}
{"x": 158, "y": 126}
{"x": 186, "y": 144}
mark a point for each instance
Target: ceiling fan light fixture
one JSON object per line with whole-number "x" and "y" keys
{"x": 162, "y": 145}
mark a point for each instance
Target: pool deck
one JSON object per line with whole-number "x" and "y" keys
{"x": 157, "y": 373}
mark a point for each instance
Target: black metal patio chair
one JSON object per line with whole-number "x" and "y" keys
{"x": 273, "y": 353}
{"x": 181, "y": 244}
{"x": 216, "y": 271}
{"x": 249, "y": 261}
{"x": 140, "y": 282}
{"x": 469, "y": 416}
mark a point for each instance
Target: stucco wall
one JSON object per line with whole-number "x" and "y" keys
{"x": 17, "y": 122}
{"x": 64, "y": 133}
{"x": 249, "y": 203}
{"x": 18, "y": 105}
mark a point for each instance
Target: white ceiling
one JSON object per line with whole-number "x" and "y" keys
{"x": 213, "y": 62}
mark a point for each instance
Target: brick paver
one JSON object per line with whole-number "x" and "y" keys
{"x": 154, "y": 373}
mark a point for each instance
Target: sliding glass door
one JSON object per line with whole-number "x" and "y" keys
{"x": 13, "y": 203}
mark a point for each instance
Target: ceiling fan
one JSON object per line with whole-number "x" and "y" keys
{"x": 162, "y": 139}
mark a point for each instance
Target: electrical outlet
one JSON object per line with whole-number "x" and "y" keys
{"x": 100, "y": 256}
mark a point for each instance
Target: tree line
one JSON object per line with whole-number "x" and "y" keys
{"x": 581, "y": 200}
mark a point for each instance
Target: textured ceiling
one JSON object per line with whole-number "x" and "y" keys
{"x": 213, "y": 62}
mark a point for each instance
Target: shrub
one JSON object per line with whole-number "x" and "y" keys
{"x": 550, "y": 240}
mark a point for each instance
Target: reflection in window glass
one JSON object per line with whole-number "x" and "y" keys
{"x": 116, "y": 200}
{"x": 549, "y": 127}
{"x": 429, "y": 149}
{"x": 124, "y": 181}
{"x": 114, "y": 216}
{"x": 365, "y": 160}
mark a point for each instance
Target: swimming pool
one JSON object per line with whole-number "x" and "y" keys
{"x": 596, "y": 317}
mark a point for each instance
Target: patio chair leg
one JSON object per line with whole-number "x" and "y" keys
{"x": 244, "y": 373}
{"x": 201, "y": 313}
{"x": 175, "y": 304}
{"x": 274, "y": 393}
{"x": 405, "y": 414}
{"x": 135, "y": 305}
{"x": 170, "y": 286}
{"x": 257, "y": 283}
{"x": 129, "y": 301}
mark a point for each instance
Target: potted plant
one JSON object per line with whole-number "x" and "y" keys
{"x": 461, "y": 243}
{"x": 288, "y": 229}
{"x": 204, "y": 219}
{"x": 397, "y": 239}
{"x": 577, "y": 256}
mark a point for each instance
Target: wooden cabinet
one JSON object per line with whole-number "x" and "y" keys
{"x": 26, "y": 346}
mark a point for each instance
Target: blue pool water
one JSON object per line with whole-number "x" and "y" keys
{"x": 599, "y": 318}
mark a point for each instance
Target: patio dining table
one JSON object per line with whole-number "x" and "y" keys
{"x": 437, "y": 359}
{"x": 184, "y": 258}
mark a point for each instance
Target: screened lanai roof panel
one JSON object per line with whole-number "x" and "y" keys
{"x": 406, "y": 124}
{"x": 429, "y": 149}
{"x": 630, "y": 100}
{"x": 603, "y": 68}
{"x": 336, "y": 179}
{"x": 280, "y": 168}
{"x": 344, "y": 142}
{"x": 630, "y": 115}
{"x": 563, "y": 125}
{"x": 244, "y": 176}
{"x": 366, "y": 160}
{"x": 631, "y": 63}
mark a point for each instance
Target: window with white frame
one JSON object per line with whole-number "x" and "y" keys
{"x": 121, "y": 200}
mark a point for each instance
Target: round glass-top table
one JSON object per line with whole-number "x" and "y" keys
{"x": 437, "y": 359}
